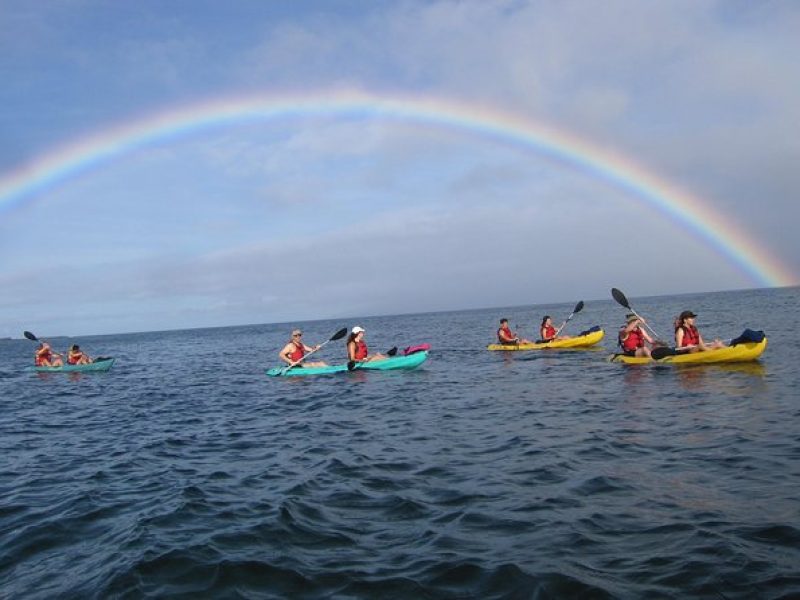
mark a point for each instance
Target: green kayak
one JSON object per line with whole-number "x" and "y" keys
{"x": 411, "y": 361}
{"x": 98, "y": 365}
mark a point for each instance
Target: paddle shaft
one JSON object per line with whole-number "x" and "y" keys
{"x": 577, "y": 309}
{"x": 623, "y": 300}
{"x": 305, "y": 356}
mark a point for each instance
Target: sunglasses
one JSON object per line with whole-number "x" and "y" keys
{"x": 297, "y": 335}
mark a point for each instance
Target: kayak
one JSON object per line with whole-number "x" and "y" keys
{"x": 729, "y": 354}
{"x": 580, "y": 341}
{"x": 98, "y": 365}
{"x": 411, "y": 361}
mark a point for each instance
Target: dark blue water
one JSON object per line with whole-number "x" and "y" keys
{"x": 185, "y": 472}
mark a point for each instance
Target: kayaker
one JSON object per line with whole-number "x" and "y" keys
{"x": 75, "y": 356}
{"x": 45, "y": 357}
{"x": 357, "y": 348}
{"x": 295, "y": 350}
{"x": 547, "y": 333}
{"x": 632, "y": 338}
{"x": 688, "y": 338}
{"x": 506, "y": 336}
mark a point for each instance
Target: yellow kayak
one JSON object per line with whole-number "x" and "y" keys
{"x": 580, "y": 341}
{"x": 729, "y": 354}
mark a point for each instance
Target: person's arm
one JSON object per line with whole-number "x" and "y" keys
{"x": 284, "y": 354}
{"x": 679, "y": 337}
{"x": 351, "y": 350}
{"x": 700, "y": 342}
{"x": 508, "y": 336}
{"x": 646, "y": 336}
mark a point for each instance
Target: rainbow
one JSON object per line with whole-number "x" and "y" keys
{"x": 30, "y": 180}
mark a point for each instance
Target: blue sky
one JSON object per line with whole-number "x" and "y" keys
{"x": 334, "y": 216}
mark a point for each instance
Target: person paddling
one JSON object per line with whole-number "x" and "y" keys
{"x": 45, "y": 357}
{"x": 633, "y": 338}
{"x": 357, "y": 348}
{"x": 508, "y": 337}
{"x": 687, "y": 336}
{"x": 295, "y": 350}
{"x": 547, "y": 333}
{"x": 75, "y": 356}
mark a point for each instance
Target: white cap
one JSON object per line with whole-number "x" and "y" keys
{"x": 358, "y": 329}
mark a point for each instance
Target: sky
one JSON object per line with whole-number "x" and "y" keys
{"x": 329, "y": 211}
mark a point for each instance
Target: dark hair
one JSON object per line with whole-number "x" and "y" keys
{"x": 544, "y": 319}
{"x": 351, "y": 338}
{"x": 503, "y": 321}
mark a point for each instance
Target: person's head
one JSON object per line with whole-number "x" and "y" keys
{"x": 297, "y": 335}
{"x": 686, "y": 316}
{"x": 356, "y": 334}
{"x": 630, "y": 318}
{"x": 74, "y": 348}
{"x": 545, "y": 320}
{"x": 503, "y": 322}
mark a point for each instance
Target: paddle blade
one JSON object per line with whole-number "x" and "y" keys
{"x": 392, "y": 351}
{"x": 339, "y": 334}
{"x": 351, "y": 364}
{"x": 30, "y": 336}
{"x": 662, "y": 352}
{"x": 578, "y": 307}
{"x": 620, "y": 298}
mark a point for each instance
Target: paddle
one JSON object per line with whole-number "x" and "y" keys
{"x": 336, "y": 336}
{"x": 352, "y": 364}
{"x": 578, "y": 308}
{"x": 621, "y": 299}
{"x": 30, "y": 336}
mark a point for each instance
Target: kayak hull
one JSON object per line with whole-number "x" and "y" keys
{"x": 412, "y": 361}
{"x": 581, "y": 341}
{"x": 96, "y": 366}
{"x": 745, "y": 352}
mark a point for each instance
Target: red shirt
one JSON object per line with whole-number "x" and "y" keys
{"x": 549, "y": 332}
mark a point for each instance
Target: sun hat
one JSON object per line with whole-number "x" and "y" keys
{"x": 630, "y": 317}
{"x": 687, "y": 314}
{"x": 358, "y": 329}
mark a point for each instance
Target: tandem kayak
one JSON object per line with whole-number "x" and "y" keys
{"x": 411, "y": 361}
{"x": 729, "y": 354}
{"x": 98, "y": 365}
{"x": 580, "y": 341}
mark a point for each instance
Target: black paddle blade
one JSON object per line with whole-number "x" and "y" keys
{"x": 620, "y": 298}
{"x": 392, "y": 351}
{"x": 30, "y": 336}
{"x": 351, "y": 364}
{"x": 339, "y": 334}
{"x": 662, "y": 352}
{"x": 578, "y": 307}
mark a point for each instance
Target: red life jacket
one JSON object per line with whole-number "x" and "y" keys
{"x": 298, "y": 353}
{"x": 634, "y": 340}
{"x": 72, "y": 359}
{"x": 42, "y": 357}
{"x": 509, "y": 339}
{"x": 361, "y": 350}
{"x": 691, "y": 337}
{"x": 549, "y": 332}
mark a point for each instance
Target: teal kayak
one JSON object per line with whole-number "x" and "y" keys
{"x": 411, "y": 361}
{"x": 98, "y": 365}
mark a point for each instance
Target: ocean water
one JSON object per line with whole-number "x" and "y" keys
{"x": 186, "y": 472}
